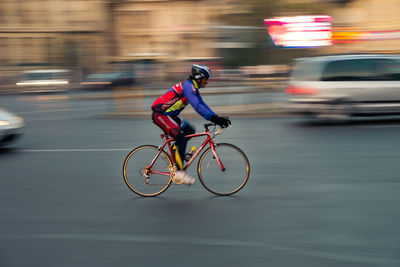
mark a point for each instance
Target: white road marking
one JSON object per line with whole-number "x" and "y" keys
{"x": 76, "y": 150}
{"x": 61, "y": 110}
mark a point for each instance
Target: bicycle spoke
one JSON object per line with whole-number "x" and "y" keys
{"x": 232, "y": 178}
{"x": 140, "y": 178}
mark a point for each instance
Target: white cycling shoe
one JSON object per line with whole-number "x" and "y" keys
{"x": 184, "y": 177}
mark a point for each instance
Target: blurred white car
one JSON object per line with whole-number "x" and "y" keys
{"x": 10, "y": 127}
{"x": 340, "y": 86}
{"x": 51, "y": 80}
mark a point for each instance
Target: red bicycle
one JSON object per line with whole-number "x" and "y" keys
{"x": 223, "y": 169}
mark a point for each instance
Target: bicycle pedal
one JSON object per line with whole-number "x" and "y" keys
{"x": 173, "y": 170}
{"x": 177, "y": 181}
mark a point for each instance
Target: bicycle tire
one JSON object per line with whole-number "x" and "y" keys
{"x": 134, "y": 171}
{"x": 235, "y": 175}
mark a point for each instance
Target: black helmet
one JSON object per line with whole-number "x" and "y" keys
{"x": 200, "y": 71}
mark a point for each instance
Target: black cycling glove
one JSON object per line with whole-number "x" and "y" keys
{"x": 221, "y": 121}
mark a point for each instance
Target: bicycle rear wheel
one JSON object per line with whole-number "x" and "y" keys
{"x": 140, "y": 178}
{"x": 223, "y": 182}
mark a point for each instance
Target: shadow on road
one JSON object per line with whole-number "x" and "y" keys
{"x": 351, "y": 122}
{"x": 7, "y": 150}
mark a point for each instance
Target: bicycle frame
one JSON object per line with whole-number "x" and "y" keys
{"x": 168, "y": 140}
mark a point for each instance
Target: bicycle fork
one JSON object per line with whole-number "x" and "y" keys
{"x": 216, "y": 157}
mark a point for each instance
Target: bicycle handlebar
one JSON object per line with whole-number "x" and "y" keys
{"x": 215, "y": 132}
{"x": 206, "y": 125}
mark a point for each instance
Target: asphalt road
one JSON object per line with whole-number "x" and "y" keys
{"x": 318, "y": 195}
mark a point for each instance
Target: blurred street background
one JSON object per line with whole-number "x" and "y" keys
{"x": 80, "y": 76}
{"x": 128, "y": 44}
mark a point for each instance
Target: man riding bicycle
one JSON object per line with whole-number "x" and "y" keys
{"x": 166, "y": 110}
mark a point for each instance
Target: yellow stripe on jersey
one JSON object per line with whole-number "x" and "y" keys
{"x": 176, "y": 106}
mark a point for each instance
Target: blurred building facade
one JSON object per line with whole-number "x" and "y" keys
{"x": 87, "y": 34}
{"x": 173, "y": 32}
{"x": 366, "y": 25}
{"x": 171, "y": 28}
{"x": 57, "y": 32}
{"x": 86, "y": 31}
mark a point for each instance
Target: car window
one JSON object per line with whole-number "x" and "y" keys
{"x": 44, "y": 75}
{"x": 306, "y": 71}
{"x": 362, "y": 69}
{"x": 388, "y": 69}
{"x": 102, "y": 76}
{"x": 40, "y": 76}
{"x": 350, "y": 70}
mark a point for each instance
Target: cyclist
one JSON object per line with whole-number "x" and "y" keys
{"x": 167, "y": 107}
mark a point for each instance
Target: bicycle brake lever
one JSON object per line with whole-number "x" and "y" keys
{"x": 219, "y": 131}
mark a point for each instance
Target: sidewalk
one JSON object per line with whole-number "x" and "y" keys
{"x": 131, "y": 102}
{"x": 234, "y": 111}
{"x": 268, "y": 109}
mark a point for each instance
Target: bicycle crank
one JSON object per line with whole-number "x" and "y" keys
{"x": 174, "y": 179}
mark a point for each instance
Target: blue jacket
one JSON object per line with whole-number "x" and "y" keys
{"x": 178, "y": 97}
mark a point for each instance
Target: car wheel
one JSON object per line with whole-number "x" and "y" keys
{"x": 339, "y": 110}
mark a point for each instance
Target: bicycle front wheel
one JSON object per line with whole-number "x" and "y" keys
{"x": 143, "y": 179}
{"x": 227, "y": 181}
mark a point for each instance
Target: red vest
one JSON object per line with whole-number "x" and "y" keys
{"x": 167, "y": 100}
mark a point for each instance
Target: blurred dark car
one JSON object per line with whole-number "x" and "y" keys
{"x": 108, "y": 80}
{"x": 11, "y": 127}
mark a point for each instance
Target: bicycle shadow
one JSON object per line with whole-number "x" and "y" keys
{"x": 5, "y": 151}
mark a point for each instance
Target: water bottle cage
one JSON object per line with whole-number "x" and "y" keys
{"x": 188, "y": 156}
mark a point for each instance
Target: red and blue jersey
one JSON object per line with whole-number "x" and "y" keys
{"x": 178, "y": 97}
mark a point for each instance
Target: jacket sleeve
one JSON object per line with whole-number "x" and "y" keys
{"x": 197, "y": 102}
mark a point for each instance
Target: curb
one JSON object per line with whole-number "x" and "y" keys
{"x": 255, "y": 110}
